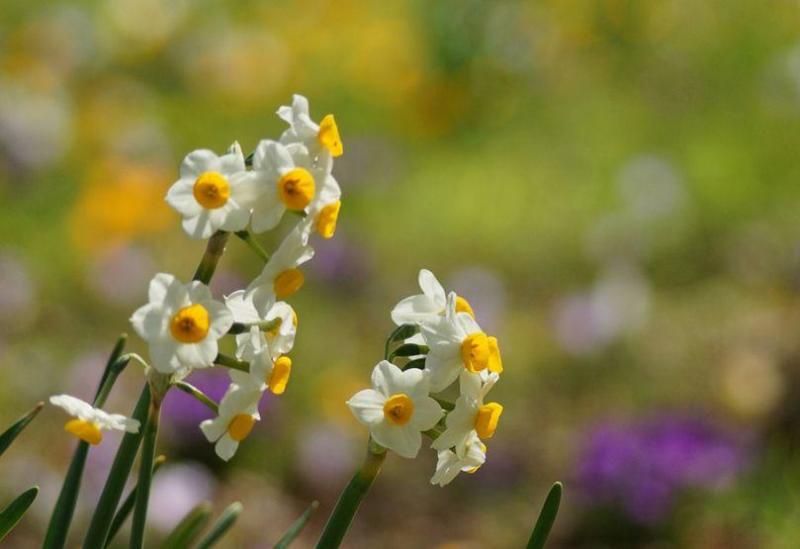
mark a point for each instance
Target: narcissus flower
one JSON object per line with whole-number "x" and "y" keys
{"x": 397, "y": 409}
{"x": 278, "y": 324}
{"x": 210, "y": 195}
{"x": 471, "y": 416}
{"x": 281, "y": 276}
{"x": 283, "y": 178}
{"x": 89, "y": 421}
{"x": 181, "y": 324}
{"x": 268, "y": 369}
{"x": 449, "y": 465}
{"x": 457, "y": 343}
{"x": 429, "y": 306}
{"x": 320, "y": 139}
{"x": 238, "y": 413}
{"x": 324, "y": 209}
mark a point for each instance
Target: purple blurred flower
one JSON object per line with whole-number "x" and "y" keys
{"x": 340, "y": 261}
{"x": 181, "y": 413}
{"x": 176, "y": 490}
{"x": 642, "y": 467}
{"x": 119, "y": 274}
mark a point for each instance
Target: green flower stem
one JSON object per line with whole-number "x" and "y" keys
{"x": 190, "y": 389}
{"x": 120, "y": 469}
{"x": 145, "y": 472}
{"x": 247, "y": 237}
{"x": 230, "y": 362}
{"x": 214, "y": 250}
{"x": 64, "y": 509}
{"x": 265, "y": 326}
{"x": 351, "y": 497}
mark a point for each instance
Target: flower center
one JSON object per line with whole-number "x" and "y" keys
{"x": 475, "y": 352}
{"x": 487, "y": 418}
{"x": 279, "y": 376}
{"x": 211, "y": 190}
{"x": 288, "y": 282}
{"x": 240, "y": 426}
{"x": 326, "y": 221}
{"x": 190, "y": 324}
{"x": 296, "y": 189}
{"x": 329, "y": 136}
{"x": 495, "y": 360}
{"x": 84, "y": 430}
{"x": 398, "y": 409}
{"x": 463, "y": 306}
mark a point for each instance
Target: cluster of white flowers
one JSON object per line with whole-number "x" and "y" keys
{"x": 446, "y": 345}
{"x": 182, "y": 322}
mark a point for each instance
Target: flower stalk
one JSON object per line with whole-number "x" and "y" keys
{"x": 347, "y": 506}
{"x": 214, "y": 250}
{"x": 145, "y": 472}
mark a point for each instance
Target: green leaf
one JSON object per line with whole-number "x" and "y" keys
{"x": 12, "y": 432}
{"x": 409, "y": 349}
{"x": 64, "y": 509}
{"x": 10, "y": 516}
{"x": 189, "y": 527}
{"x": 117, "y": 477}
{"x": 145, "y": 473}
{"x": 400, "y": 333}
{"x": 418, "y": 363}
{"x": 127, "y": 506}
{"x": 297, "y": 527}
{"x": 221, "y": 526}
{"x": 546, "y": 517}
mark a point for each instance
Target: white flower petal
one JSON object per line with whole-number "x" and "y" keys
{"x": 404, "y": 440}
{"x": 427, "y": 413}
{"x": 199, "y": 161}
{"x": 226, "y": 447}
{"x": 181, "y": 198}
{"x": 367, "y": 406}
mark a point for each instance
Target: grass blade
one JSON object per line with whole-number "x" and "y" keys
{"x": 297, "y": 527}
{"x": 10, "y": 516}
{"x": 12, "y": 432}
{"x": 189, "y": 527}
{"x": 127, "y": 506}
{"x": 117, "y": 477}
{"x": 546, "y": 517}
{"x": 221, "y": 526}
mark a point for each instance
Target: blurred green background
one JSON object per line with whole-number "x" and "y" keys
{"x": 613, "y": 184}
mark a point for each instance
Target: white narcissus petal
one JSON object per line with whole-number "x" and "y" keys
{"x": 149, "y": 321}
{"x": 221, "y": 319}
{"x": 199, "y": 161}
{"x": 427, "y": 413}
{"x": 405, "y": 441}
{"x": 431, "y": 287}
{"x": 367, "y": 406}
{"x": 382, "y": 376}
{"x": 181, "y": 198}
{"x": 198, "y": 355}
{"x": 267, "y": 214}
{"x": 226, "y": 447}
{"x": 199, "y": 227}
{"x": 73, "y": 406}
{"x": 413, "y": 310}
{"x": 213, "y": 429}
{"x": 447, "y": 468}
{"x": 467, "y": 323}
{"x": 242, "y": 308}
{"x": 159, "y": 287}
{"x": 443, "y": 370}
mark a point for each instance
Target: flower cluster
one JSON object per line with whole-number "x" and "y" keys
{"x": 441, "y": 343}
{"x": 221, "y": 194}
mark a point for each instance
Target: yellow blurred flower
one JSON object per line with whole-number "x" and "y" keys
{"x": 118, "y": 202}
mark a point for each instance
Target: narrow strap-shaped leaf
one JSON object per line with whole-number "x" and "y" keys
{"x": 127, "y": 506}
{"x": 418, "y": 363}
{"x": 116, "y": 352}
{"x": 190, "y": 389}
{"x": 10, "y": 516}
{"x": 221, "y": 526}
{"x": 145, "y": 474}
{"x": 400, "y": 333}
{"x": 546, "y": 517}
{"x": 409, "y": 349}
{"x": 117, "y": 477}
{"x": 12, "y": 432}
{"x": 189, "y": 527}
{"x": 64, "y": 509}
{"x": 297, "y": 527}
